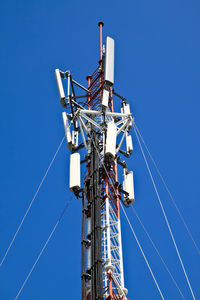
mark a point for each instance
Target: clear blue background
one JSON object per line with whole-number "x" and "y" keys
{"x": 158, "y": 71}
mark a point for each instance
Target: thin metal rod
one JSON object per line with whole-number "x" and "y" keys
{"x": 77, "y": 104}
{"x": 78, "y": 97}
{"x": 80, "y": 85}
{"x": 107, "y": 113}
{"x": 100, "y": 37}
{"x": 122, "y": 98}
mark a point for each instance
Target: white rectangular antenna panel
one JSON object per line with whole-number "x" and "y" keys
{"x": 67, "y": 130}
{"x": 60, "y": 86}
{"x": 75, "y": 138}
{"x": 68, "y": 87}
{"x": 128, "y": 186}
{"x": 126, "y": 110}
{"x": 105, "y": 98}
{"x": 129, "y": 143}
{"x": 111, "y": 140}
{"x": 109, "y": 63}
{"x": 74, "y": 179}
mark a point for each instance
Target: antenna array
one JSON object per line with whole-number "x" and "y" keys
{"x": 100, "y": 130}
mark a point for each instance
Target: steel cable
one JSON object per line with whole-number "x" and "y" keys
{"x": 140, "y": 247}
{"x": 168, "y": 191}
{"x": 165, "y": 216}
{"x": 156, "y": 249}
{"x": 44, "y": 247}
{"x": 31, "y": 203}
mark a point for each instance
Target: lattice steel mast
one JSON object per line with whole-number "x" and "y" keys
{"x": 102, "y": 134}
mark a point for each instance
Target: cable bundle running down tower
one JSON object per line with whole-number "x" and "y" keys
{"x": 102, "y": 133}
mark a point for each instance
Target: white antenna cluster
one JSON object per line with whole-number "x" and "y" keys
{"x": 119, "y": 123}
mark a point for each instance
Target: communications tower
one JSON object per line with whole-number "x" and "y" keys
{"x": 95, "y": 134}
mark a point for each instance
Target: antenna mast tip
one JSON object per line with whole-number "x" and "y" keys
{"x": 88, "y": 77}
{"x": 101, "y": 23}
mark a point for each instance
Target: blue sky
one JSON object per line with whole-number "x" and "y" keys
{"x": 158, "y": 70}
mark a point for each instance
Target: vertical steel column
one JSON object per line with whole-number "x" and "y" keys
{"x": 100, "y": 37}
{"x": 96, "y": 274}
{"x": 83, "y": 246}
